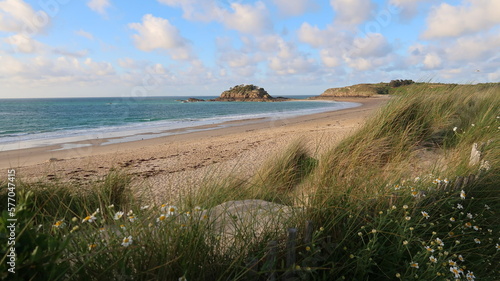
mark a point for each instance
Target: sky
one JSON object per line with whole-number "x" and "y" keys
{"x": 111, "y": 48}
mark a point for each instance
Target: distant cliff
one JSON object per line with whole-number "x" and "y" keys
{"x": 246, "y": 93}
{"x": 360, "y": 90}
{"x": 365, "y": 90}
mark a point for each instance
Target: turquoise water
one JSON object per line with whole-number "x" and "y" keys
{"x": 28, "y": 120}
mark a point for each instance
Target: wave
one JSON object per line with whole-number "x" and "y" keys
{"x": 147, "y": 126}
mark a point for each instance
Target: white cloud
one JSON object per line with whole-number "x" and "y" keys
{"x": 330, "y": 58}
{"x": 372, "y": 45}
{"x": 246, "y": 18}
{"x": 432, "y": 61}
{"x": 85, "y": 34}
{"x": 470, "y": 17}
{"x": 99, "y": 6}
{"x": 40, "y": 70}
{"x": 476, "y": 48}
{"x": 158, "y": 33}
{"x": 131, "y": 63}
{"x": 295, "y": 7}
{"x": 337, "y": 46}
{"x": 313, "y": 36}
{"x": 407, "y": 8}
{"x": 18, "y": 16}
{"x": 10, "y": 66}
{"x": 198, "y": 10}
{"x": 24, "y": 44}
{"x": 352, "y": 12}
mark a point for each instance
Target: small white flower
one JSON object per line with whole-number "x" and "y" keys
{"x": 433, "y": 259}
{"x": 455, "y": 129}
{"x": 477, "y": 240}
{"x": 414, "y": 264}
{"x": 59, "y": 224}
{"x": 455, "y": 271}
{"x": 470, "y": 276}
{"x": 171, "y": 210}
{"x": 440, "y": 242}
{"x": 425, "y": 214}
{"x": 144, "y": 207}
{"x": 459, "y": 206}
{"x": 469, "y": 215}
{"x": 90, "y": 218}
{"x": 127, "y": 241}
{"x": 118, "y": 215}
{"x": 462, "y": 194}
{"x": 161, "y": 218}
{"x": 182, "y": 278}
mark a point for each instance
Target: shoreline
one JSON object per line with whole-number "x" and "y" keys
{"x": 74, "y": 138}
{"x": 174, "y": 163}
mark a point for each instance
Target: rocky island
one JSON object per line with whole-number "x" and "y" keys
{"x": 244, "y": 93}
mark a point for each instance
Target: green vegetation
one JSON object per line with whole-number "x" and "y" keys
{"x": 388, "y": 203}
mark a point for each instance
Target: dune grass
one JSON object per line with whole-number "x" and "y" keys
{"x": 383, "y": 203}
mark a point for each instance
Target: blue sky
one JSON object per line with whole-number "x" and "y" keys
{"x": 101, "y": 48}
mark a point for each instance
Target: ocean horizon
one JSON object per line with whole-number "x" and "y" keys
{"x": 37, "y": 122}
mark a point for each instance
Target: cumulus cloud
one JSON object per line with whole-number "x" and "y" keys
{"x": 289, "y": 60}
{"x": 99, "y": 6}
{"x": 198, "y": 10}
{"x": 432, "y": 61}
{"x": 131, "y": 63}
{"x": 85, "y": 34}
{"x": 18, "y": 16}
{"x": 471, "y": 16}
{"x": 43, "y": 70}
{"x": 24, "y": 44}
{"x": 158, "y": 33}
{"x": 246, "y": 18}
{"x": 480, "y": 47}
{"x": 408, "y": 8}
{"x": 337, "y": 46}
{"x": 352, "y": 12}
{"x": 295, "y": 7}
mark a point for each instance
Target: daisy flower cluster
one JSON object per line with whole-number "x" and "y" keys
{"x": 450, "y": 233}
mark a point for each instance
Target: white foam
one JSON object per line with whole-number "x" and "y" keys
{"x": 148, "y": 130}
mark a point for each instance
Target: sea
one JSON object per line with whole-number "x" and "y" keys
{"x": 27, "y": 123}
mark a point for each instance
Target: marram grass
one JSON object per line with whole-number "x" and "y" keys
{"x": 378, "y": 213}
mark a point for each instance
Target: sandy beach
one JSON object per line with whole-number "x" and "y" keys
{"x": 167, "y": 165}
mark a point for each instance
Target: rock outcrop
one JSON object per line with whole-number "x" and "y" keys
{"x": 246, "y": 93}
